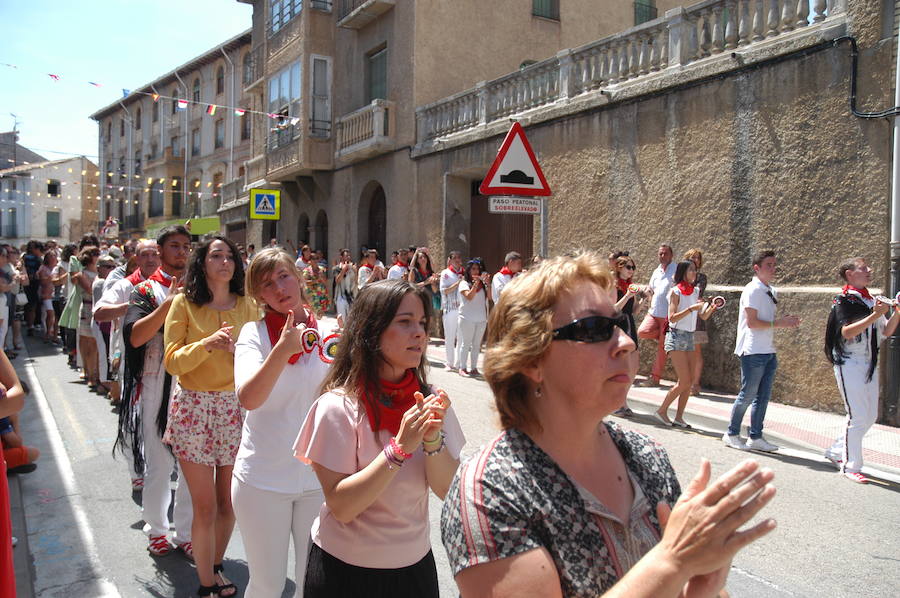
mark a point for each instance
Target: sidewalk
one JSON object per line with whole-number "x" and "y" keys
{"x": 796, "y": 427}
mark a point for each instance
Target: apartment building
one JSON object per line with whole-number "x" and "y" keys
{"x": 169, "y": 148}
{"x": 348, "y": 76}
{"x": 55, "y": 199}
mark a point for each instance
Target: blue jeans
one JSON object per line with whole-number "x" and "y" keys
{"x": 757, "y": 375}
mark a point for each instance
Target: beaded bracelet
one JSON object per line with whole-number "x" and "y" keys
{"x": 394, "y": 462}
{"x": 440, "y": 446}
{"x": 395, "y": 446}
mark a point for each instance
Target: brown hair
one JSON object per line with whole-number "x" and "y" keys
{"x": 850, "y": 265}
{"x": 263, "y": 265}
{"x": 520, "y": 330}
{"x": 622, "y": 261}
{"x": 357, "y": 363}
{"x": 690, "y": 254}
{"x": 87, "y": 254}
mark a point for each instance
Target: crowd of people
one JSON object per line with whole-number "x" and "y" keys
{"x": 226, "y": 373}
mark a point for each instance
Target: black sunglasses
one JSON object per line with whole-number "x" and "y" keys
{"x": 628, "y": 267}
{"x": 772, "y": 297}
{"x": 592, "y": 329}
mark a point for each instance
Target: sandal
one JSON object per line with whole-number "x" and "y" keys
{"x": 187, "y": 548}
{"x": 208, "y": 591}
{"x": 225, "y": 586}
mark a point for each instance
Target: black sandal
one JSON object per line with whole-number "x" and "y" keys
{"x": 225, "y": 585}
{"x": 208, "y": 591}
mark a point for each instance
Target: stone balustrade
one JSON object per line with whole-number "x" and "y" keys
{"x": 684, "y": 36}
{"x": 364, "y": 132}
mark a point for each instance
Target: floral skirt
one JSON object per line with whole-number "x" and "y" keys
{"x": 204, "y": 426}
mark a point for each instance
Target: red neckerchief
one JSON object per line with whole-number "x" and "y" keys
{"x": 423, "y": 273}
{"x": 686, "y": 289}
{"x": 399, "y": 263}
{"x": 506, "y": 271}
{"x": 622, "y": 284}
{"x": 162, "y": 278}
{"x": 393, "y": 400}
{"x": 365, "y": 266}
{"x": 135, "y": 277}
{"x": 864, "y": 292}
{"x": 275, "y": 322}
{"x": 460, "y": 273}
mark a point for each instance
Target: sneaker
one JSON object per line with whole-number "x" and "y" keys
{"x": 836, "y": 461}
{"x": 761, "y": 444}
{"x": 857, "y": 477}
{"x": 474, "y": 373}
{"x": 735, "y": 442}
{"x": 449, "y": 368}
{"x": 159, "y": 546}
{"x": 463, "y": 373}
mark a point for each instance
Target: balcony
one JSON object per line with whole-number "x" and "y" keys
{"x": 356, "y": 14}
{"x": 365, "y": 132}
{"x": 231, "y": 192}
{"x": 164, "y": 158}
{"x": 254, "y": 68}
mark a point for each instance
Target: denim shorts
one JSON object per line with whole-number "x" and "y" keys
{"x": 679, "y": 340}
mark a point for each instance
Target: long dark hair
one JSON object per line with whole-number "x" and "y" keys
{"x": 414, "y": 263}
{"x": 357, "y": 363}
{"x": 681, "y": 270}
{"x": 475, "y": 261}
{"x": 195, "y": 287}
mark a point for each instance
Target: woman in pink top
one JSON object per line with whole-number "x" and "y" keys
{"x": 378, "y": 440}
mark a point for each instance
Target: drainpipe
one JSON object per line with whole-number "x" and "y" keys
{"x": 129, "y": 157}
{"x": 184, "y": 180}
{"x": 891, "y": 413}
{"x": 230, "y": 118}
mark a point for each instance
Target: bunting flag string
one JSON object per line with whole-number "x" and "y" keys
{"x": 182, "y": 103}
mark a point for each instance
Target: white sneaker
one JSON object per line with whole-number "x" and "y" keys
{"x": 735, "y": 442}
{"x": 761, "y": 444}
{"x": 836, "y": 461}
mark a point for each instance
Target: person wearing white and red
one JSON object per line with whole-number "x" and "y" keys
{"x": 451, "y": 277}
{"x": 512, "y": 265}
{"x": 276, "y": 497}
{"x": 684, "y": 308}
{"x": 145, "y": 394}
{"x": 400, "y": 268}
{"x": 857, "y": 324}
{"x": 304, "y": 258}
{"x": 474, "y": 294}
{"x": 370, "y": 270}
{"x": 656, "y": 321}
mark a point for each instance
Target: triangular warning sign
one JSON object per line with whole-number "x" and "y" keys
{"x": 515, "y": 170}
{"x": 264, "y": 205}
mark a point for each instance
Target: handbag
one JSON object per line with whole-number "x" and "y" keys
{"x": 21, "y": 299}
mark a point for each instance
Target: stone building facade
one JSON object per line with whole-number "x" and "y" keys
{"x": 161, "y": 164}
{"x": 56, "y": 199}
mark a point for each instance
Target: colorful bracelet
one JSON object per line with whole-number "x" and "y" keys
{"x": 395, "y": 446}
{"x": 393, "y": 461}
{"x": 440, "y": 446}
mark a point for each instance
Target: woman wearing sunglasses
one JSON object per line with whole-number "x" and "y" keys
{"x": 684, "y": 307}
{"x": 562, "y": 503}
{"x": 624, "y": 270}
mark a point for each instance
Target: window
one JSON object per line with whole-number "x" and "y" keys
{"x": 644, "y": 10}
{"x": 154, "y": 151}
{"x": 220, "y": 80}
{"x": 245, "y": 127}
{"x": 108, "y": 171}
{"x": 11, "y": 229}
{"x": 154, "y": 111}
{"x": 175, "y": 146}
{"x": 549, "y": 9}
{"x": 220, "y": 133}
{"x": 217, "y": 186}
{"x": 137, "y": 162}
{"x": 176, "y": 196}
{"x": 175, "y": 98}
{"x": 195, "y": 142}
{"x": 108, "y": 132}
{"x": 247, "y": 68}
{"x": 320, "y": 116}
{"x": 157, "y": 200}
{"x": 52, "y": 224}
{"x": 284, "y": 90}
{"x": 377, "y": 70}
{"x": 122, "y": 127}
{"x": 137, "y": 119}
{"x": 282, "y": 11}
{"x": 196, "y": 93}
{"x": 241, "y": 172}
{"x": 53, "y": 188}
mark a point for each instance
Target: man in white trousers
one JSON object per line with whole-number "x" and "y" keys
{"x": 146, "y": 392}
{"x": 856, "y": 327}
{"x": 451, "y": 276}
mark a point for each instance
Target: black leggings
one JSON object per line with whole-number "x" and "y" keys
{"x": 327, "y": 577}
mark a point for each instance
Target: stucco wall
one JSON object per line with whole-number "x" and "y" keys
{"x": 768, "y": 158}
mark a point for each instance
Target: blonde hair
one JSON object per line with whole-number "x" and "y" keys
{"x": 262, "y": 266}
{"x": 690, "y": 254}
{"x": 520, "y": 329}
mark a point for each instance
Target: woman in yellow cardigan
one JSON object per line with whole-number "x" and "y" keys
{"x": 205, "y": 417}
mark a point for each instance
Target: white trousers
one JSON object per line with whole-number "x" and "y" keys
{"x": 861, "y": 401}
{"x": 451, "y": 323}
{"x": 470, "y": 335}
{"x": 341, "y": 306}
{"x": 159, "y": 463}
{"x": 102, "y": 353}
{"x": 268, "y": 521}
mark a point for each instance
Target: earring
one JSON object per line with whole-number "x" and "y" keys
{"x": 538, "y": 393}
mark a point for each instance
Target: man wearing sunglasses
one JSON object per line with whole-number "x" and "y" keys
{"x": 756, "y": 349}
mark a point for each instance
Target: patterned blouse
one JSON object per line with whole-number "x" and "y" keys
{"x": 511, "y": 497}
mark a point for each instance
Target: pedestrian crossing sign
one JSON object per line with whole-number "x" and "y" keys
{"x": 265, "y": 204}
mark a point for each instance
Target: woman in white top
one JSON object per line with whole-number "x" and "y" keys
{"x": 380, "y": 440}
{"x": 684, "y": 307}
{"x": 279, "y": 365}
{"x": 474, "y": 293}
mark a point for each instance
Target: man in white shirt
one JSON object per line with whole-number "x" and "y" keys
{"x": 451, "y": 276}
{"x": 756, "y": 349}
{"x": 370, "y": 271}
{"x": 512, "y": 265}
{"x": 400, "y": 268}
{"x": 304, "y": 259}
{"x": 654, "y": 324}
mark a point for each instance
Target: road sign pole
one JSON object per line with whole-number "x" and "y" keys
{"x": 545, "y": 222}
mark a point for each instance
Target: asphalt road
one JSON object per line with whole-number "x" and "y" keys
{"x": 834, "y": 538}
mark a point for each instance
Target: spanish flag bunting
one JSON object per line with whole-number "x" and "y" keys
{"x": 182, "y": 105}
{"x": 239, "y": 112}
{"x": 211, "y": 109}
